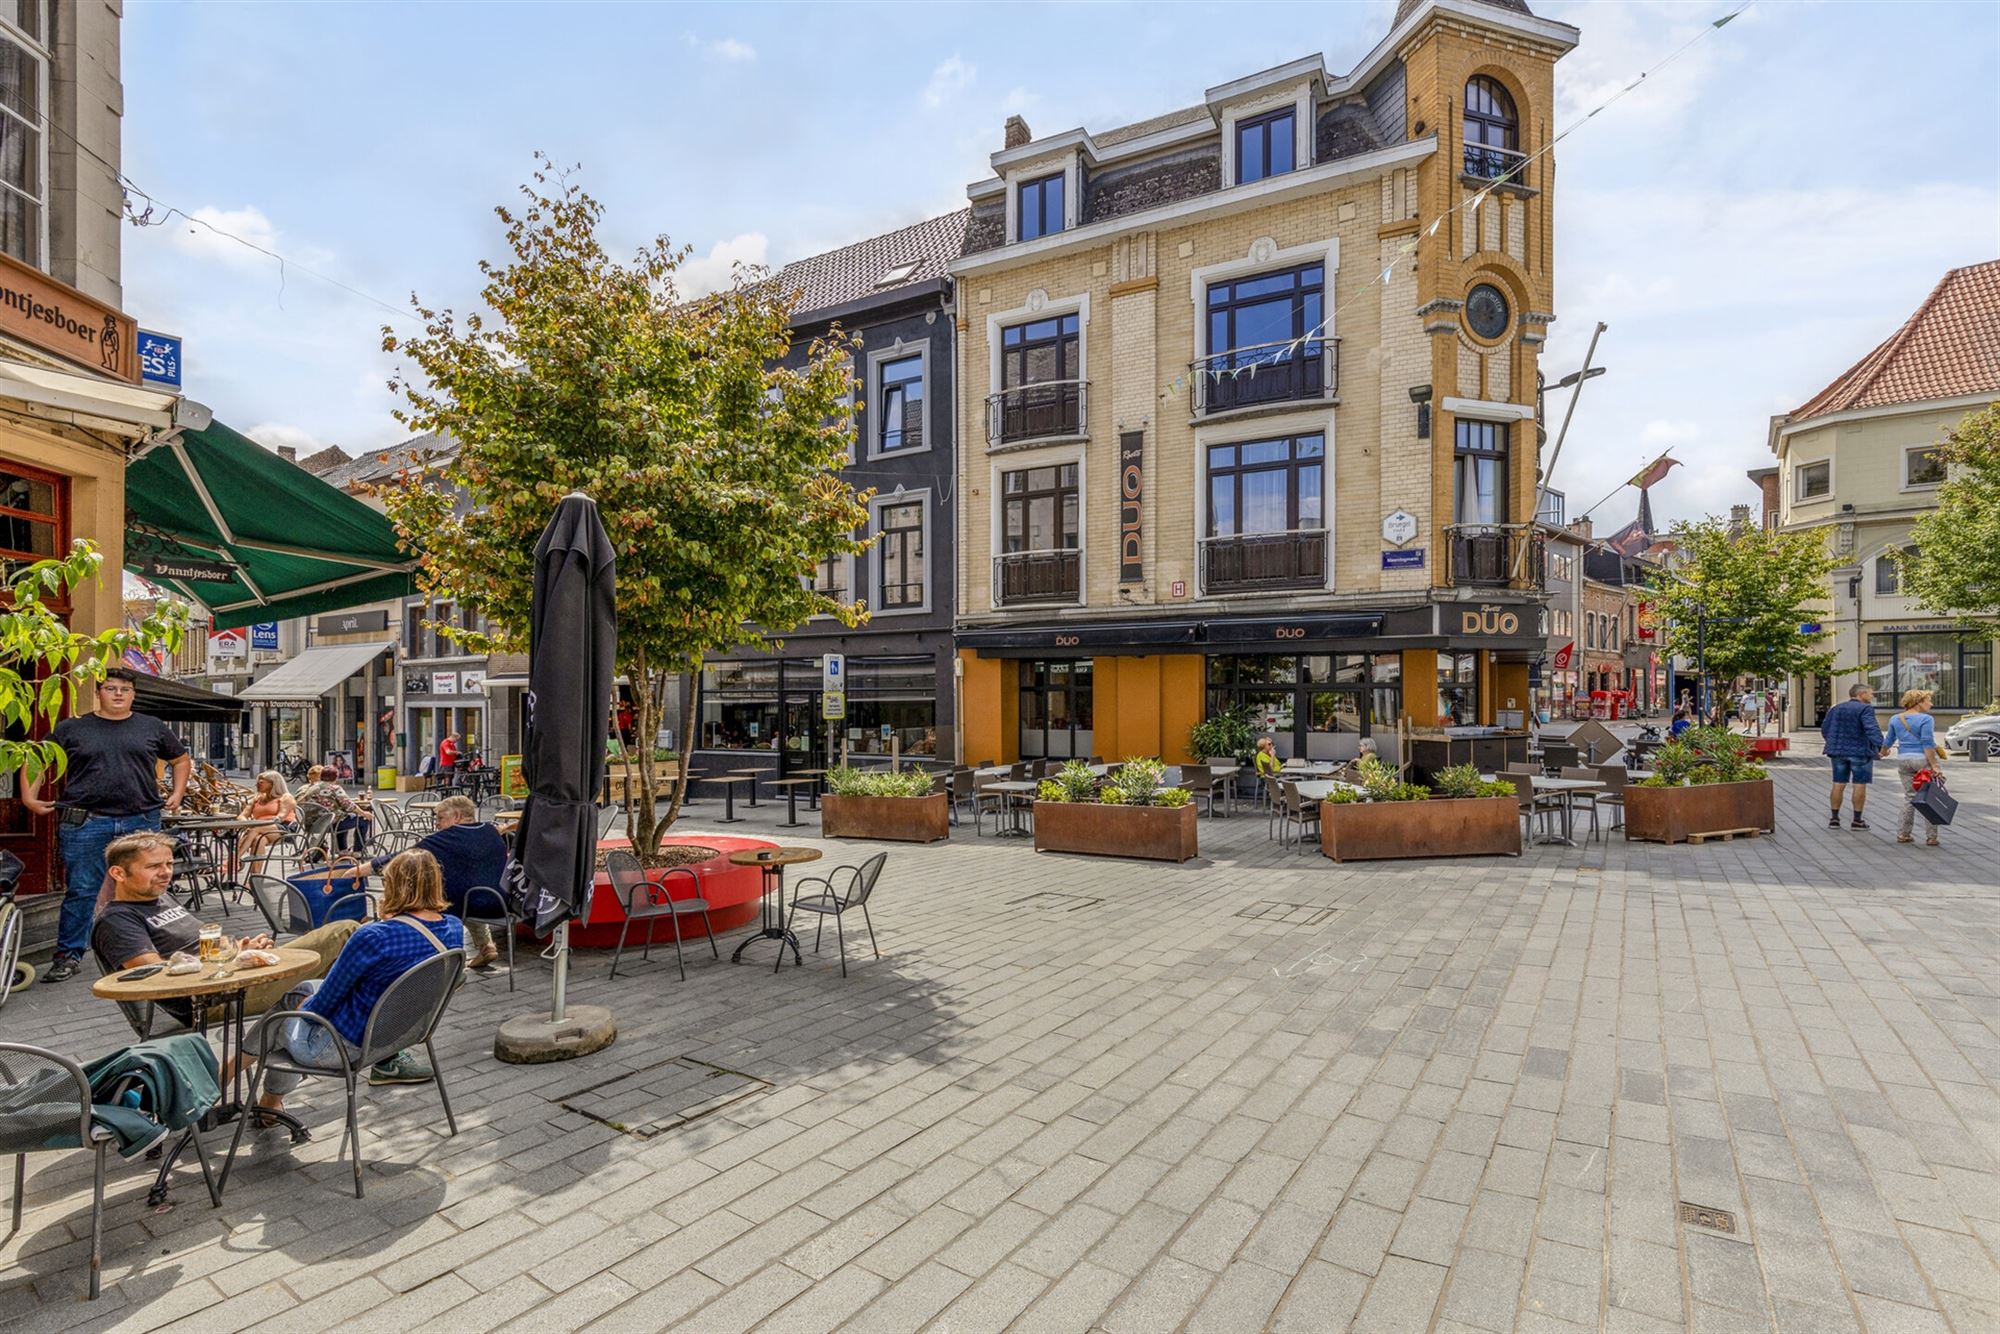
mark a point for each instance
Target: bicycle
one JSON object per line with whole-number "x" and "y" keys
{"x": 14, "y": 975}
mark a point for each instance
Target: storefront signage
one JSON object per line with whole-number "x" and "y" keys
{"x": 1131, "y": 507}
{"x": 1809, "y": 628}
{"x": 1068, "y": 641}
{"x": 1398, "y": 529}
{"x": 513, "y": 783}
{"x": 264, "y": 637}
{"x": 160, "y": 358}
{"x": 1564, "y": 654}
{"x": 226, "y": 644}
{"x": 444, "y": 683}
{"x": 353, "y": 622}
{"x": 1489, "y": 622}
{"x": 471, "y": 683}
{"x": 832, "y": 705}
{"x": 1180, "y": 588}
{"x": 416, "y": 684}
{"x": 57, "y": 318}
{"x": 1647, "y": 624}
{"x": 1413, "y": 559}
{"x": 155, "y": 565}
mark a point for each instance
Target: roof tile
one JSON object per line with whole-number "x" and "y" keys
{"x": 1950, "y": 348}
{"x": 856, "y": 271}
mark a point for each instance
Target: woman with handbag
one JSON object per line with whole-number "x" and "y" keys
{"x": 1912, "y": 738}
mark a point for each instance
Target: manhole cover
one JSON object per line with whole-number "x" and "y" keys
{"x": 1050, "y": 901}
{"x": 1716, "y": 1220}
{"x": 662, "y": 1097}
{"x": 1286, "y": 914}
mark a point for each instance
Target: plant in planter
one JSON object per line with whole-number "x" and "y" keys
{"x": 1462, "y": 781}
{"x": 1703, "y": 755}
{"x": 1132, "y": 816}
{"x": 1384, "y": 817}
{"x": 896, "y": 807}
{"x": 1707, "y": 781}
{"x": 1227, "y": 735}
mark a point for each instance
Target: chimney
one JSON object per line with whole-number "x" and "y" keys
{"x": 289, "y": 453}
{"x": 1581, "y": 527}
{"x": 1017, "y": 132}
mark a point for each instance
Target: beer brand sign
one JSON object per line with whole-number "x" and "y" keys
{"x": 1131, "y": 507}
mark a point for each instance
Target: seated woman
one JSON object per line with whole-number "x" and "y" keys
{"x": 273, "y": 801}
{"x": 414, "y": 927}
{"x": 352, "y": 818}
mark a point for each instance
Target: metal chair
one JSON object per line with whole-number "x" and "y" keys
{"x": 43, "y": 1096}
{"x": 499, "y": 918}
{"x": 1615, "y": 778}
{"x": 646, "y": 898}
{"x": 406, "y": 1014}
{"x": 1591, "y": 775}
{"x": 317, "y": 825}
{"x": 860, "y": 884}
{"x": 1532, "y": 803}
{"x": 960, "y": 785}
{"x": 284, "y": 906}
{"x": 140, "y": 1016}
{"x": 1559, "y": 755}
{"x": 1300, "y": 812}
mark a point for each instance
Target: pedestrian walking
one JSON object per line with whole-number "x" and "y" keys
{"x": 1913, "y": 740}
{"x": 111, "y": 789}
{"x": 1853, "y": 740}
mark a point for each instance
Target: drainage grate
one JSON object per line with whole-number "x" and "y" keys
{"x": 662, "y": 1097}
{"x": 1287, "y": 914}
{"x": 1050, "y": 901}
{"x": 1716, "y": 1220}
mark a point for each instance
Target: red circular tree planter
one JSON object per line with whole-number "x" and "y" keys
{"x": 732, "y": 894}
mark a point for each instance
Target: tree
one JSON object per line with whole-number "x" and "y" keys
{"x": 1740, "y": 601}
{"x": 1956, "y": 569}
{"x": 717, "y": 471}
{"x": 44, "y": 665}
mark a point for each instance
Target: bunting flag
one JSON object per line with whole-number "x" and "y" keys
{"x": 1655, "y": 472}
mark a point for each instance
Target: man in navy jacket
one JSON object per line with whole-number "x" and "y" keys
{"x": 1853, "y": 740}
{"x": 471, "y": 853}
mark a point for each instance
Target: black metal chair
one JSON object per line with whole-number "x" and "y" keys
{"x": 646, "y": 898}
{"x": 405, "y": 1015}
{"x": 288, "y": 912}
{"x": 486, "y": 906}
{"x": 832, "y": 903}
{"x": 42, "y": 1096}
{"x": 143, "y": 1017}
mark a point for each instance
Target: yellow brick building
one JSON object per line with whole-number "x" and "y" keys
{"x": 1210, "y": 456}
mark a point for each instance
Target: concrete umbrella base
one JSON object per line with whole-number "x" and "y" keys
{"x": 533, "y": 1039}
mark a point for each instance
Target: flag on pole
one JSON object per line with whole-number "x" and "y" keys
{"x": 1654, "y": 472}
{"x": 1564, "y": 654}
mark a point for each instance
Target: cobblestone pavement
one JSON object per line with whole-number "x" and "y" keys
{"x": 1255, "y": 1090}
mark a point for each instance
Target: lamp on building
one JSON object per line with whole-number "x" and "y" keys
{"x": 1420, "y": 394}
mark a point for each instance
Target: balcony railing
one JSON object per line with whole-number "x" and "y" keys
{"x": 1495, "y": 555}
{"x": 1022, "y": 577}
{"x": 1047, "y": 409}
{"x": 1256, "y": 562}
{"x": 1486, "y": 163}
{"x": 1247, "y": 377}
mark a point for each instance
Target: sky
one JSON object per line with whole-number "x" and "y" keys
{"x": 1748, "y": 222}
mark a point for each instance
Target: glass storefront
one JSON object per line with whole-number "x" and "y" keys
{"x": 1458, "y": 689}
{"x": 774, "y": 707}
{"x": 1959, "y": 675}
{"x": 1058, "y": 709}
{"x": 1315, "y": 706}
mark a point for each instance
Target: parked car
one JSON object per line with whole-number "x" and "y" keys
{"x": 1978, "y": 724}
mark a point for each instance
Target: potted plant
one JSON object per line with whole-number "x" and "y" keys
{"x": 1705, "y": 782}
{"x": 1131, "y": 815}
{"x": 1460, "y": 815}
{"x": 1227, "y": 735}
{"x": 893, "y": 807}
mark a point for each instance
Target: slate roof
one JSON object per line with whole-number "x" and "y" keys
{"x": 379, "y": 465}
{"x": 321, "y": 462}
{"x": 856, "y": 271}
{"x": 1950, "y": 348}
{"x": 1185, "y": 116}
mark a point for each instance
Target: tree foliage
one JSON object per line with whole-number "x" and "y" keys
{"x": 1956, "y": 571}
{"x": 716, "y": 470}
{"x": 45, "y": 665}
{"x": 1739, "y": 600}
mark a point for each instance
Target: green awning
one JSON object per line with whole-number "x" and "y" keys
{"x": 298, "y": 546}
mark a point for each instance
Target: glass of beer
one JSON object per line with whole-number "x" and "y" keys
{"x": 211, "y": 942}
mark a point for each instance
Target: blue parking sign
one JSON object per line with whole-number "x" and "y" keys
{"x": 160, "y": 358}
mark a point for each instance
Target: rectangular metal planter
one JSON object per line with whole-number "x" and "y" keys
{"x": 1157, "y": 833}
{"x": 1672, "y": 814}
{"x": 1363, "y": 831}
{"x": 887, "y": 819}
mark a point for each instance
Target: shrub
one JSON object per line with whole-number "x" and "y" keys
{"x": 1463, "y": 780}
{"x": 1227, "y": 734}
{"x": 1703, "y": 755}
{"x": 1346, "y": 796}
{"x": 1051, "y": 790}
{"x": 1378, "y": 779}
{"x": 1112, "y": 796}
{"x": 1076, "y": 780}
{"x": 1140, "y": 780}
{"x": 1172, "y": 796}
{"x": 849, "y": 782}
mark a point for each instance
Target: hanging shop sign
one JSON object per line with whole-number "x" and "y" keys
{"x": 354, "y": 623}
{"x": 264, "y": 637}
{"x": 1131, "y": 507}
{"x": 57, "y": 318}
{"x": 160, "y": 359}
{"x": 165, "y": 565}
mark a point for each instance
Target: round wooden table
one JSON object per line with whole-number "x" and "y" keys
{"x": 226, "y": 983}
{"x": 772, "y": 862}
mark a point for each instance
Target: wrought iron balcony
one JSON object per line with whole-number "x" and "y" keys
{"x": 1495, "y": 555}
{"x": 1024, "y": 577}
{"x": 1487, "y": 163}
{"x": 1260, "y": 562}
{"x": 1047, "y": 409}
{"x": 1247, "y": 377}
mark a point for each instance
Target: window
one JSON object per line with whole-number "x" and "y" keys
{"x": 1266, "y": 486}
{"x": 1889, "y": 574}
{"x": 1253, "y": 324}
{"x": 1959, "y": 675}
{"x": 1815, "y": 479}
{"x": 1923, "y": 467}
{"x": 901, "y": 405}
{"x": 1303, "y": 703}
{"x": 1039, "y": 509}
{"x": 1479, "y": 473}
{"x": 899, "y": 273}
{"x": 34, "y": 518}
{"x": 739, "y": 706}
{"x": 1041, "y": 384}
{"x": 1039, "y": 207}
{"x": 24, "y": 76}
{"x": 1492, "y": 140}
{"x": 1057, "y": 709}
{"x": 1458, "y": 689}
{"x": 899, "y": 544}
{"x": 1264, "y": 146}
{"x": 829, "y": 577}
{"x": 1590, "y": 629}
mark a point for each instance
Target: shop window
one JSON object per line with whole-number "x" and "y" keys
{"x": 34, "y": 514}
{"x": 1314, "y": 706}
{"x": 1058, "y": 709}
{"x": 1958, "y": 675}
{"x": 739, "y": 706}
{"x": 1458, "y": 689}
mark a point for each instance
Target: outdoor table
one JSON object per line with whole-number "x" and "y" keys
{"x": 772, "y": 862}
{"x": 1321, "y": 789}
{"x": 506, "y": 821}
{"x": 753, "y": 775}
{"x": 819, "y": 785}
{"x": 225, "y": 984}
{"x": 1638, "y": 775}
{"x": 1565, "y": 788}
{"x": 792, "y": 786}
{"x": 729, "y": 782}
{"x": 1025, "y": 787}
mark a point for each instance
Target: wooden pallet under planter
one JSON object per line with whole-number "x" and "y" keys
{"x": 887, "y": 819}
{"x": 1157, "y": 833}
{"x": 1677, "y": 814}
{"x": 1362, "y": 831}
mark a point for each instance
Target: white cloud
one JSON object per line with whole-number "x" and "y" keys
{"x": 723, "y": 50}
{"x": 272, "y": 435}
{"x": 948, "y": 80}
{"x": 201, "y": 236}
{"x": 699, "y": 275}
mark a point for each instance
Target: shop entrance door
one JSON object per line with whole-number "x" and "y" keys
{"x": 1057, "y": 710}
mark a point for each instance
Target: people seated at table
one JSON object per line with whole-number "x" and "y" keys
{"x": 353, "y": 822}
{"x": 273, "y": 801}
{"x": 1266, "y": 759}
{"x": 470, "y": 852}
{"x": 414, "y": 927}
{"x": 144, "y": 924}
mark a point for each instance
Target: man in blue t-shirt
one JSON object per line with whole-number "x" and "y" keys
{"x": 472, "y": 854}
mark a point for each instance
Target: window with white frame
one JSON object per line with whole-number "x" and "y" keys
{"x": 830, "y": 577}
{"x": 1039, "y": 206}
{"x": 24, "y": 87}
{"x": 1923, "y": 466}
{"x": 1815, "y": 479}
{"x": 1264, "y": 145}
{"x": 899, "y": 555}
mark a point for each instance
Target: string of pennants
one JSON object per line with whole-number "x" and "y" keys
{"x": 1408, "y": 249}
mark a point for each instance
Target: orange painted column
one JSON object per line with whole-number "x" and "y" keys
{"x": 1420, "y": 696}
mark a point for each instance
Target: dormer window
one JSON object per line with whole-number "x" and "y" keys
{"x": 1492, "y": 131}
{"x": 1040, "y": 207}
{"x": 1264, "y": 146}
{"x": 900, "y": 273}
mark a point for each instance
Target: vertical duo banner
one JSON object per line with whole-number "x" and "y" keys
{"x": 1131, "y": 503}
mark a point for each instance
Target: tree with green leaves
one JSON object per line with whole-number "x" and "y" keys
{"x": 1739, "y": 600}
{"x": 1956, "y": 569}
{"x": 45, "y": 666}
{"x": 716, "y": 468}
